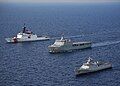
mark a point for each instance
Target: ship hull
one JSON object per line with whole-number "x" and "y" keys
{"x": 68, "y": 48}
{"x": 12, "y": 40}
{"x": 81, "y": 72}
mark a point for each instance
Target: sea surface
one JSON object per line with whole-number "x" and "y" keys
{"x": 30, "y": 63}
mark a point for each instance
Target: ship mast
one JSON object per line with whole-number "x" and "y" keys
{"x": 24, "y": 28}
{"x": 62, "y": 37}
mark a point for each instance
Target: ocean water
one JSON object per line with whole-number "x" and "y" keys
{"x": 30, "y": 64}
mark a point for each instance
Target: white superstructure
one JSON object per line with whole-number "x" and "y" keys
{"x": 92, "y": 66}
{"x": 26, "y": 35}
{"x": 64, "y": 45}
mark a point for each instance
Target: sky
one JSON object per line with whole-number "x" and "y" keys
{"x": 40, "y": 1}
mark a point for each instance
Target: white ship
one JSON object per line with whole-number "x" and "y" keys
{"x": 25, "y": 36}
{"x": 64, "y": 45}
{"x": 92, "y": 66}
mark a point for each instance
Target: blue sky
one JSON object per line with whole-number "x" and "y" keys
{"x": 39, "y": 1}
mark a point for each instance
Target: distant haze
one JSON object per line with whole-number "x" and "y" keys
{"x": 40, "y": 1}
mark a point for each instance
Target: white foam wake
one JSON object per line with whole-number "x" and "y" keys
{"x": 105, "y": 43}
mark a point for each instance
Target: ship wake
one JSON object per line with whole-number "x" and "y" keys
{"x": 105, "y": 43}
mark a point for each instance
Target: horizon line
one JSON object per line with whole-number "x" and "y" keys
{"x": 35, "y": 2}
